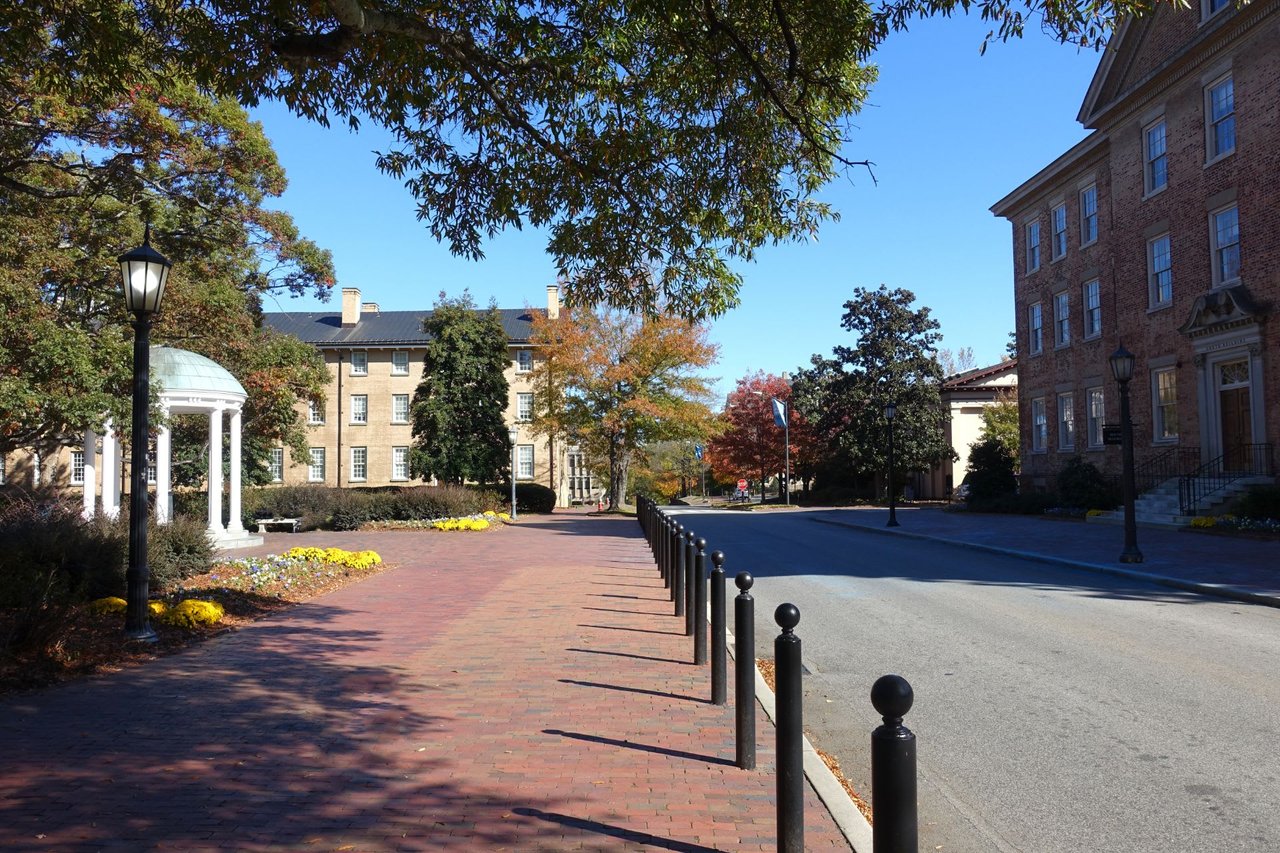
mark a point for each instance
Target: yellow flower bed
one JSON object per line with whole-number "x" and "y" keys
{"x": 1203, "y": 521}
{"x": 192, "y": 612}
{"x": 111, "y": 604}
{"x": 336, "y": 556}
{"x": 461, "y": 524}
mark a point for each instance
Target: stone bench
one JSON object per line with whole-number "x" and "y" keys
{"x": 291, "y": 524}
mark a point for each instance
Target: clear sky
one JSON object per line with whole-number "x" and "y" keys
{"x": 950, "y": 133}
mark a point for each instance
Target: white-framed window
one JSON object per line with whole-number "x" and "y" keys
{"x": 1155, "y": 152}
{"x": 1092, "y": 300}
{"x": 1058, "y": 217}
{"x": 1220, "y": 118}
{"x": 524, "y": 360}
{"x": 315, "y": 465}
{"x": 1033, "y": 246}
{"x": 2, "y": 470}
{"x": 359, "y": 363}
{"x": 1088, "y": 215}
{"x": 1160, "y": 270}
{"x": 315, "y": 412}
{"x": 1164, "y": 393}
{"x": 359, "y": 464}
{"x": 399, "y": 363}
{"x": 399, "y": 408}
{"x": 524, "y": 461}
{"x": 1061, "y": 319}
{"x": 1039, "y": 426}
{"x": 1035, "y": 329}
{"x": 77, "y": 467}
{"x": 399, "y": 463}
{"x": 1224, "y": 236}
{"x": 359, "y": 408}
{"x": 151, "y": 466}
{"x": 524, "y": 407}
{"x": 275, "y": 464}
{"x": 1067, "y": 421}
{"x": 1095, "y": 416}
{"x": 580, "y": 486}
{"x": 1209, "y": 8}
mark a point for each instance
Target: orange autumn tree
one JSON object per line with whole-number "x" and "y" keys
{"x": 751, "y": 443}
{"x": 614, "y": 381}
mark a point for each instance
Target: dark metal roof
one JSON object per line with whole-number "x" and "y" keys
{"x": 959, "y": 380}
{"x": 380, "y": 328}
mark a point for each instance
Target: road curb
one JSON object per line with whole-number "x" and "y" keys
{"x": 1227, "y": 591}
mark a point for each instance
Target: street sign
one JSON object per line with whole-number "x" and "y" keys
{"x": 1111, "y": 435}
{"x": 742, "y": 485}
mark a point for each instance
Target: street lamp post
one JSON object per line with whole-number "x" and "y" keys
{"x": 890, "y": 411}
{"x": 513, "y": 434}
{"x": 145, "y": 272}
{"x": 1122, "y": 370}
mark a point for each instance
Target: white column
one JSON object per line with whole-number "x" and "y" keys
{"x": 234, "y": 525}
{"x": 110, "y": 472}
{"x": 90, "y": 476}
{"x": 164, "y": 462}
{"x": 215, "y": 471}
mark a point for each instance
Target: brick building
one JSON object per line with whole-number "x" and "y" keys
{"x": 362, "y": 434}
{"x": 1160, "y": 230}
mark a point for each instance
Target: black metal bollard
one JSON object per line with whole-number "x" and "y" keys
{"x": 690, "y": 584}
{"x": 719, "y": 642}
{"x": 790, "y": 724}
{"x": 680, "y": 579}
{"x": 893, "y": 769}
{"x": 699, "y": 575}
{"x": 744, "y": 670}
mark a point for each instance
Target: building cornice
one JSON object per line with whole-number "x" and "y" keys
{"x": 1011, "y": 205}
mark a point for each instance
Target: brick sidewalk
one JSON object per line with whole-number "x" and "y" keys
{"x": 524, "y": 689}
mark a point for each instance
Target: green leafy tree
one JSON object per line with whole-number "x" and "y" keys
{"x": 1000, "y": 422}
{"x": 673, "y": 138}
{"x": 892, "y": 360}
{"x": 991, "y": 471}
{"x": 459, "y": 433}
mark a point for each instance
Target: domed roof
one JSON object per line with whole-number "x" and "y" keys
{"x": 180, "y": 371}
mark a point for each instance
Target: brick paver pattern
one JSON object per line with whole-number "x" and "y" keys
{"x": 522, "y": 689}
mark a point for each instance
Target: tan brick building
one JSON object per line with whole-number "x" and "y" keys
{"x": 361, "y": 435}
{"x": 1160, "y": 230}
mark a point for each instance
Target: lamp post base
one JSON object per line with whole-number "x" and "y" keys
{"x": 1131, "y": 556}
{"x": 141, "y": 635}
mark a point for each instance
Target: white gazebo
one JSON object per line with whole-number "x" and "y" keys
{"x": 189, "y": 384}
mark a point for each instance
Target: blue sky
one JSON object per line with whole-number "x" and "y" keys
{"x": 950, "y": 132}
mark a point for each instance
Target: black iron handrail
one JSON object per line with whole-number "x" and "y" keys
{"x": 1245, "y": 460}
{"x": 1170, "y": 464}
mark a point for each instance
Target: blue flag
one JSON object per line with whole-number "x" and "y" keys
{"x": 697, "y": 451}
{"x": 779, "y": 412}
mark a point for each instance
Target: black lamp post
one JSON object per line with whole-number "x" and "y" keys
{"x": 145, "y": 272}
{"x": 889, "y": 412}
{"x": 1122, "y": 370}
{"x": 513, "y": 433}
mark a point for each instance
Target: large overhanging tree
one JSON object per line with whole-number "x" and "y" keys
{"x": 657, "y": 141}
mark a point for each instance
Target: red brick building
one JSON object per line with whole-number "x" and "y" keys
{"x": 1161, "y": 231}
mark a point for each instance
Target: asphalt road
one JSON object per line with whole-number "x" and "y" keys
{"x": 1057, "y": 711}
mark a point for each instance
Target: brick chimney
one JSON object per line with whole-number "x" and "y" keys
{"x": 350, "y": 306}
{"x": 553, "y": 301}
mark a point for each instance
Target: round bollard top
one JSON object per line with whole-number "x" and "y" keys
{"x": 700, "y": 544}
{"x": 744, "y": 580}
{"x": 892, "y": 696}
{"x": 787, "y": 616}
{"x": 717, "y": 559}
{"x": 679, "y": 527}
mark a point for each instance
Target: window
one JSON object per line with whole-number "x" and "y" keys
{"x": 1092, "y": 309}
{"x": 275, "y": 464}
{"x": 1061, "y": 319}
{"x": 579, "y": 476}
{"x": 2, "y": 470}
{"x": 1088, "y": 215}
{"x": 1160, "y": 271}
{"x": 1033, "y": 247}
{"x": 1220, "y": 118}
{"x": 1165, "y": 404}
{"x": 77, "y": 467}
{"x": 315, "y": 468}
{"x": 1035, "y": 326}
{"x": 1225, "y": 236}
{"x": 1066, "y": 421}
{"x": 151, "y": 466}
{"x": 399, "y": 463}
{"x": 359, "y": 408}
{"x": 359, "y": 363}
{"x": 315, "y": 412}
{"x": 399, "y": 408}
{"x": 1208, "y": 8}
{"x": 400, "y": 363}
{"x": 359, "y": 464}
{"x": 524, "y": 361}
{"x": 524, "y": 407}
{"x": 524, "y": 462}
{"x": 1059, "y": 217}
{"x": 1095, "y": 415}
{"x": 1039, "y": 426}
{"x": 1156, "y": 152}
